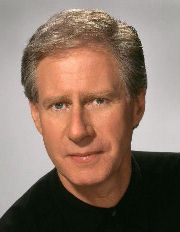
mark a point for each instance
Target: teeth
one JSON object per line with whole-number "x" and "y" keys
{"x": 85, "y": 157}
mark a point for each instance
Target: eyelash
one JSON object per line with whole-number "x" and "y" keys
{"x": 54, "y": 106}
{"x": 105, "y": 101}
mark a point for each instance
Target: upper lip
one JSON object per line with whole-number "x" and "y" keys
{"x": 84, "y": 153}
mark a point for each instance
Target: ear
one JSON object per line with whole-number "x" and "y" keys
{"x": 36, "y": 116}
{"x": 139, "y": 108}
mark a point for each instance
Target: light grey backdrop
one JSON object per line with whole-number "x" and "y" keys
{"x": 23, "y": 158}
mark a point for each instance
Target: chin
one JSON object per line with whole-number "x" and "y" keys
{"x": 83, "y": 179}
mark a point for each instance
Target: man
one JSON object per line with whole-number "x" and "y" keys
{"x": 84, "y": 75}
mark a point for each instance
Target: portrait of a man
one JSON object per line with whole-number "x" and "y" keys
{"x": 84, "y": 75}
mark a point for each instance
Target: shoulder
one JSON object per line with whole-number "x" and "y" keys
{"x": 157, "y": 161}
{"x": 36, "y": 201}
{"x": 159, "y": 167}
{"x": 160, "y": 173}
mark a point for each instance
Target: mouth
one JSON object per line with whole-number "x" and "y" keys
{"x": 87, "y": 157}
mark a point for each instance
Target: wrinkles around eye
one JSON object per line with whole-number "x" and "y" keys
{"x": 97, "y": 102}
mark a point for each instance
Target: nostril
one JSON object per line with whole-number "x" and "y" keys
{"x": 77, "y": 133}
{"x": 79, "y": 128}
{"x": 81, "y": 133}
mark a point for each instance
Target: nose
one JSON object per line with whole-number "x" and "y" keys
{"x": 79, "y": 128}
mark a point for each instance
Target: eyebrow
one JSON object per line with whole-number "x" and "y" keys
{"x": 50, "y": 100}
{"x": 84, "y": 96}
{"x": 103, "y": 94}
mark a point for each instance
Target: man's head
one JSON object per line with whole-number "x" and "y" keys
{"x": 86, "y": 28}
{"x": 85, "y": 78}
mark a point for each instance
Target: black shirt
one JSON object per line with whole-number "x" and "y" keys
{"x": 150, "y": 204}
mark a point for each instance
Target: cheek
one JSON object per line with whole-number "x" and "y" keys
{"x": 52, "y": 125}
{"x": 115, "y": 122}
{"x": 52, "y": 133}
{"x": 115, "y": 129}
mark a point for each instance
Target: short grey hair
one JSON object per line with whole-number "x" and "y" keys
{"x": 76, "y": 28}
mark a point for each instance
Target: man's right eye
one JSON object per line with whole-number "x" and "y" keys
{"x": 59, "y": 106}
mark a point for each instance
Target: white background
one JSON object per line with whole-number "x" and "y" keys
{"x": 23, "y": 158}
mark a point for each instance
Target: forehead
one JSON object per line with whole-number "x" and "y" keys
{"x": 81, "y": 69}
{"x": 86, "y": 51}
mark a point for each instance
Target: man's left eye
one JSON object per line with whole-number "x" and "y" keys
{"x": 99, "y": 101}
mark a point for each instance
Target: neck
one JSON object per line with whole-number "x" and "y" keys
{"x": 106, "y": 194}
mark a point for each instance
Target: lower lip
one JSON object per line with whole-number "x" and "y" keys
{"x": 85, "y": 159}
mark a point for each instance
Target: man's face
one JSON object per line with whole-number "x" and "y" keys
{"x": 83, "y": 115}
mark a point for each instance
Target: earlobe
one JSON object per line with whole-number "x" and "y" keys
{"x": 35, "y": 115}
{"x": 139, "y": 108}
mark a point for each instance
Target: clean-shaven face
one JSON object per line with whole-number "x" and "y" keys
{"x": 84, "y": 116}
